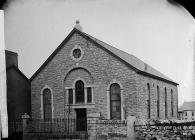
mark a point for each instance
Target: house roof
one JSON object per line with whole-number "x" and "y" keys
{"x": 138, "y": 65}
{"x": 187, "y": 106}
{"x": 17, "y": 70}
{"x": 11, "y": 52}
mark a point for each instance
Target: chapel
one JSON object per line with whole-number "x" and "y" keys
{"x": 85, "y": 75}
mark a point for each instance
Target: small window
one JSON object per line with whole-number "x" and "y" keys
{"x": 166, "y": 109}
{"x": 192, "y": 113}
{"x": 70, "y": 93}
{"x": 172, "y": 112}
{"x": 148, "y": 101}
{"x": 89, "y": 95}
{"x": 186, "y": 113}
{"x": 158, "y": 102}
{"x": 77, "y": 53}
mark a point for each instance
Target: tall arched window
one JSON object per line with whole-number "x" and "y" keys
{"x": 158, "y": 102}
{"x": 47, "y": 106}
{"x": 115, "y": 101}
{"x": 166, "y": 113}
{"x": 148, "y": 101}
{"x": 172, "y": 103}
{"x": 79, "y": 90}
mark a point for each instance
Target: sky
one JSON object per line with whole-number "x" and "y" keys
{"x": 155, "y": 31}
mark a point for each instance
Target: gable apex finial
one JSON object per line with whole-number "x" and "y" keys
{"x": 78, "y": 26}
{"x": 77, "y": 21}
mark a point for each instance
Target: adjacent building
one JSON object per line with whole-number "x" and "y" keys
{"x": 187, "y": 111}
{"x": 18, "y": 92}
{"x": 89, "y": 76}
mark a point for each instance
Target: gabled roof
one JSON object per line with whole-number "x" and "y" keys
{"x": 17, "y": 70}
{"x": 135, "y": 63}
{"x": 187, "y": 106}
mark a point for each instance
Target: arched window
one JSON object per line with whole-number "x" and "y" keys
{"x": 148, "y": 101}
{"x": 158, "y": 102}
{"x": 172, "y": 113}
{"x": 166, "y": 113}
{"x": 79, "y": 90}
{"x": 115, "y": 101}
{"x": 47, "y": 106}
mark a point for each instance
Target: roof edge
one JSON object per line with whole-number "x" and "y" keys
{"x": 156, "y": 77}
{"x": 53, "y": 54}
{"x": 11, "y": 52}
{"x": 17, "y": 69}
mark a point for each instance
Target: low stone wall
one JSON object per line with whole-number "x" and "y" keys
{"x": 107, "y": 129}
{"x": 164, "y": 130}
{"x": 111, "y": 129}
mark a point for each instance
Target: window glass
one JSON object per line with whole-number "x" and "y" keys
{"x": 115, "y": 102}
{"x": 158, "y": 102}
{"x": 172, "y": 102}
{"x": 148, "y": 101}
{"x": 70, "y": 91}
{"x": 89, "y": 95}
{"x": 79, "y": 89}
{"x": 47, "y": 108}
{"x": 77, "y": 53}
{"x": 166, "y": 113}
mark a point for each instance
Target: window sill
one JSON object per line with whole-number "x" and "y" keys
{"x": 83, "y": 105}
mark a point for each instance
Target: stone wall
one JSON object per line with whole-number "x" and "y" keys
{"x": 143, "y": 97}
{"x": 106, "y": 129}
{"x": 166, "y": 130}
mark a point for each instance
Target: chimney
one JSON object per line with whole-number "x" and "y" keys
{"x": 11, "y": 58}
{"x": 78, "y": 26}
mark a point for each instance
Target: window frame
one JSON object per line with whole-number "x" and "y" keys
{"x": 172, "y": 103}
{"x": 42, "y": 103}
{"x": 165, "y": 100}
{"x": 79, "y": 99}
{"x": 115, "y": 101}
{"x": 70, "y": 100}
{"x": 108, "y": 99}
{"x": 158, "y": 101}
{"x": 148, "y": 101}
{"x": 75, "y": 48}
{"x": 89, "y": 94}
{"x": 85, "y": 103}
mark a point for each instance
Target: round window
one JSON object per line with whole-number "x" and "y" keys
{"x": 77, "y": 53}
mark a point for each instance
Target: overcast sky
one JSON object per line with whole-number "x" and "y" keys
{"x": 155, "y": 31}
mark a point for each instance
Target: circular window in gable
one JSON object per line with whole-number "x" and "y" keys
{"x": 76, "y": 53}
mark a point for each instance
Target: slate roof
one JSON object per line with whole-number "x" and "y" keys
{"x": 138, "y": 65}
{"x": 187, "y": 106}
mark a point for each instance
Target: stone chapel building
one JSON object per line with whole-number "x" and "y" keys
{"x": 89, "y": 76}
